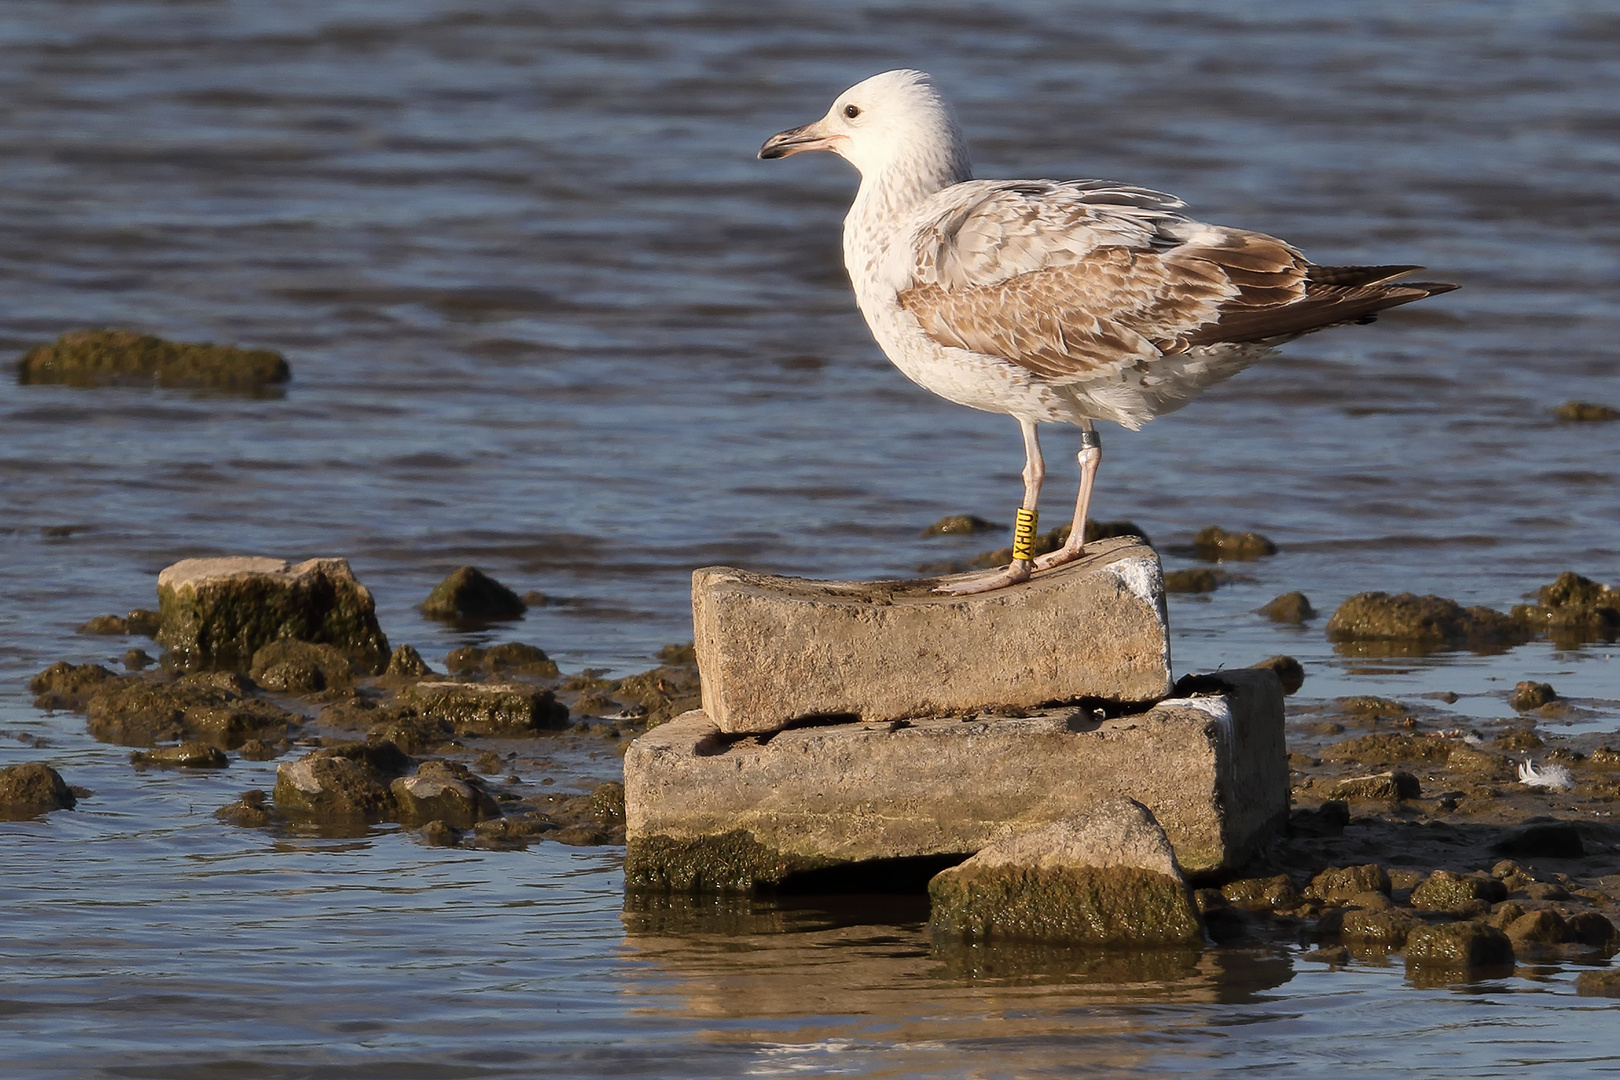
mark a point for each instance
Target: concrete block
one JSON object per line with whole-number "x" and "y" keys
{"x": 774, "y": 650}
{"x": 708, "y": 810}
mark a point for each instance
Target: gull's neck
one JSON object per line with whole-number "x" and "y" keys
{"x": 886, "y": 196}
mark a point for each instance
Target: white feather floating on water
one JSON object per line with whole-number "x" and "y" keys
{"x": 1552, "y": 777}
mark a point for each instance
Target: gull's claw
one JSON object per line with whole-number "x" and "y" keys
{"x": 1011, "y": 574}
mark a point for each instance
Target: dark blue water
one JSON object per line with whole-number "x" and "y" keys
{"x": 546, "y": 314}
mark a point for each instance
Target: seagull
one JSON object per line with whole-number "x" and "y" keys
{"x": 1052, "y": 301}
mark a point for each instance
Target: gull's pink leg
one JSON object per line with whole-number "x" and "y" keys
{"x": 1090, "y": 458}
{"x": 1019, "y": 569}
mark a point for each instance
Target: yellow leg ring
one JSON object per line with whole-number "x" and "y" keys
{"x": 1024, "y": 534}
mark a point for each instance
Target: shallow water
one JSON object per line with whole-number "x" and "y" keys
{"x": 546, "y": 314}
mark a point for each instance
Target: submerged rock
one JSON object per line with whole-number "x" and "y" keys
{"x": 513, "y": 658}
{"x": 1585, "y": 412}
{"x": 468, "y": 593}
{"x": 187, "y": 755}
{"x": 289, "y": 666}
{"x": 488, "y": 708}
{"x": 1573, "y": 609}
{"x": 70, "y": 686}
{"x": 1216, "y": 544}
{"x": 960, "y": 525}
{"x": 217, "y": 613}
{"x": 1108, "y": 878}
{"x": 1291, "y": 607}
{"x": 31, "y": 789}
{"x": 1604, "y": 982}
{"x": 1421, "y": 623}
{"x": 445, "y": 792}
{"x": 250, "y": 811}
{"x": 125, "y": 358}
{"x": 137, "y": 712}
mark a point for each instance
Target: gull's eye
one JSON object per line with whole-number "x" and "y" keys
{"x": 852, "y": 111}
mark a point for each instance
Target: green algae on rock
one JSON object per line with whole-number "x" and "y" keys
{"x": 126, "y": 358}
{"x": 218, "y": 612}
{"x": 1407, "y": 624}
{"x": 732, "y": 862}
{"x": 1291, "y": 607}
{"x": 322, "y": 785}
{"x": 407, "y": 664}
{"x": 1218, "y": 545}
{"x": 1529, "y": 695}
{"x": 1585, "y": 412}
{"x": 1200, "y": 580}
{"x": 513, "y": 657}
{"x": 488, "y": 708}
{"x": 961, "y": 525}
{"x": 469, "y": 594}
{"x": 138, "y": 712}
{"x": 1458, "y": 944}
{"x": 186, "y": 755}
{"x": 31, "y": 789}
{"x": 290, "y": 666}
{"x": 1273, "y": 893}
{"x": 1573, "y": 609}
{"x": 70, "y": 686}
{"x": 1445, "y": 890}
{"x": 1106, "y": 878}
{"x": 442, "y": 791}
{"x": 1341, "y": 883}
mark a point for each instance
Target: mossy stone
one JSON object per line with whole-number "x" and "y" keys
{"x": 1586, "y": 412}
{"x": 334, "y": 788}
{"x": 488, "y": 708}
{"x": 31, "y": 789}
{"x": 961, "y": 525}
{"x": 289, "y": 666}
{"x": 1390, "y": 786}
{"x": 1079, "y": 905}
{"x": 513, "y": 657}
{"x": 1444, "y": 890}
{"x": 1216, "y": 544}
{"x": 1420, "y": 623}
{"x": 1341, "y": 883}
{"x": 186, "y": 755}
{"x": 1289, "y": 672}
{"x": 1529, "y": 695}
{"x": 1293, "y": 607}
{"x": 141, "y": 713}
{"x": 123, "y": 357}
{"x": 407, "y": 663}
{"x": 732, "y": 862}
{"x": 1372, "y": 927}
{"x": 607, "y": 803}
{"x": 1191, "y": 581}
{"x": 442, "y": 791}
{"x": 1262, "y": 894}
{"x": 218, "y": 612}
{"x": 70, "y": 686}
{"x": 1458, "y": 944}
{"x": 1387, "y": 749}
{"x": 469, "y": 594}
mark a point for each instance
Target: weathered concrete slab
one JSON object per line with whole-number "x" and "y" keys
{"x": 710, "y": 811}
{"x": 774, "y": 650}
{"x": 1108, "y": 878}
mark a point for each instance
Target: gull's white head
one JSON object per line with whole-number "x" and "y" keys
{"x": 892, "y": 121}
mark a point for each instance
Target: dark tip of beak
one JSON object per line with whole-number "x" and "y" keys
{"x": 791, "y": 141}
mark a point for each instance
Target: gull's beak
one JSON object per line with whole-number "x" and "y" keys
{"x": 797, "y": 140}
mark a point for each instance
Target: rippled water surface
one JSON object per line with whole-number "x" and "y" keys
{"x": 547, "y": 314}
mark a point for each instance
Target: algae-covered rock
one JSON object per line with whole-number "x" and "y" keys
{"x": 289, "y": 666}
{"x": 1529, "y": 695}
{"x": 1579, "y": 412}
{"x": 1191, "y": 581}
{"x": 407, "y": 663}
{"x": 1370, "y": 926}
{"x": 1341, "y": 883}
{"x": 1386, "y": 786}
{"x": 731, "y": 862}
{"x": 330, "y": 787}
{"x": 136, "y": 712}
{"x": 1262, "y": 894}
{"x": 126, "y": 358}
{"x": 1291, "y": 607}
{"x": 218, "y": 612}
{"x": 1592, "y": 928}
{"x": 1289, "y": 672}
{"x": 1382, "y": 749}
{"x": 1573, "y": 609}
{"x": 1414, "y": 624}
{"x": 470, "y": 594}
{"x": 442, "y": 791}
{"x": 1461, "y": 757}
{"x": 663, "y": 693}
{"x": 31, "y": 789}
{"x": 1604, "y": 982}
{"x": 961, "y": 525}
{"x": 1545, "y": 927}
{"x": 186, "y": 755}
{"x": 512, "y": 658}
{"x": 1458, "y": 944}
{"x": 1109, "y": 877}
{"x": 488, "y": 708}
{"x": 1216, "y": 544}
{"x": 1444, "y": 890}
{"x": 607, "y": 803}
{"x": 250, "y": 811}
{"x": 70, "y": 686}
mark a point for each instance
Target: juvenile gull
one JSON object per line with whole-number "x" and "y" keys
{"x": 1057, "y": 301}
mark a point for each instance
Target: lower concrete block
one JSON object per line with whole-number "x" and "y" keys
{"x": 709, "y": 811}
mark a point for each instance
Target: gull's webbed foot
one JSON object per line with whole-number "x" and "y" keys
{"x": 1011, "y": 574}
{"x": 1062, "y": 556}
